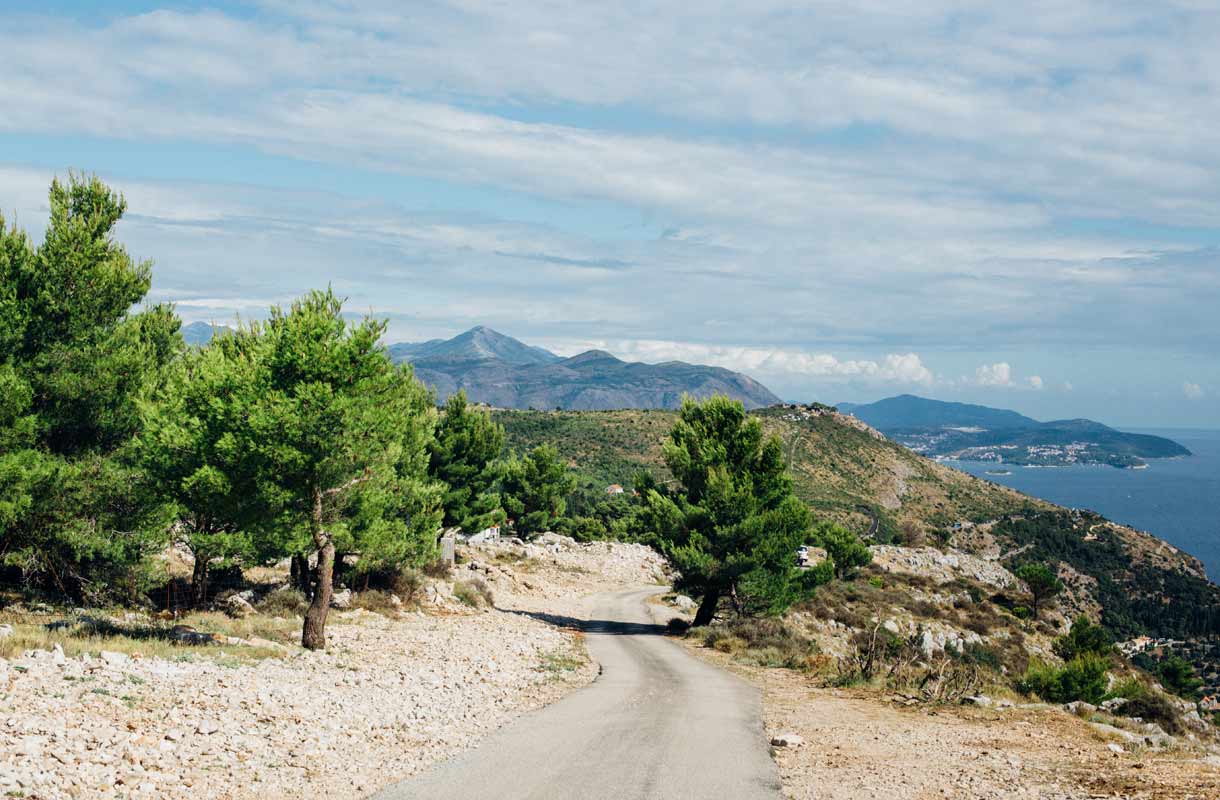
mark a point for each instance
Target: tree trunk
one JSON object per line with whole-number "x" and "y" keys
{"x": 313, "y": 634}
{"x": 707, "y": 608}
{"x": 299, "y": 572}
{"x": 199, "y": 581}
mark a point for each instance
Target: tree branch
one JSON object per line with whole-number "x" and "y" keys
{"x": 344, "y": 487}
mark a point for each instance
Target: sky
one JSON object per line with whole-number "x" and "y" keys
{"x": 1008, "y": 203}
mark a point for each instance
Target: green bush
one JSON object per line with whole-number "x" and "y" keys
{"x": 1084, "y": 637}
{"x": 765, "y": 641}
{"x": 284, "y": 603}
{"x": 582, "y": 529}
{"x": 1082, "y": 678}
{"x": 1128, "y": 689}
{"x": 374, "y": 600}
{"x": 1179, "y": 676}
{"x": 408, "y": 584}
{"x": 1156, "y": 708}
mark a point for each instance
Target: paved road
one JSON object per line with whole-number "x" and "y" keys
{"x": 658, "y": 723}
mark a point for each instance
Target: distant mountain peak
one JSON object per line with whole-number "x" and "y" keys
{"x": 590, "y": 356}
{"x": 480, "y": 342}
{"x": 197, "y": 334}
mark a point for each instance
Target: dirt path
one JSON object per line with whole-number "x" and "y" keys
{"x": 860, "y": 747}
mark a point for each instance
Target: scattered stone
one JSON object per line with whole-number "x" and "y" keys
{"x": 341, "y": 599}
{"x": 977, "y": 700}
{"x": 6, "y": 631}
{"x": 1115, "y": 748}
{"x": 1080, "y": 708}
{"x": 238, "y": 607}
{"x": 114, "y": 659}
{"x": 787, "y": 740}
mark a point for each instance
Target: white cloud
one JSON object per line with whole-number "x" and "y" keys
{"x": 1036, "y": 383}
{"x": 1193, "y": 391}
{"x": 998, "y": 374}
{"x": 893, "y": 368}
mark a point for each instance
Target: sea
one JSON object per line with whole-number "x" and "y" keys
{"x": 1176, "y": 499}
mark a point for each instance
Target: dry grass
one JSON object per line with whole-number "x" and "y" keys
{"x": 474, "y": 593}
{"x": 145, "y": 637}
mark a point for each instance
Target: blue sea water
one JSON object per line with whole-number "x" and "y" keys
{"x": 1176, "y": 499}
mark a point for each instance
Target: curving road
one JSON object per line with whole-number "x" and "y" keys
{"x": 658, "y": 723}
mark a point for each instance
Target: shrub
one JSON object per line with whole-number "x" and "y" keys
{"x": 408, "y": 584}
{"x": 981, "y": 654}
{"x": 1179, "y": 676}
{"x": 1082, "y": 678}
{"x": 582, "y": 529}
{"x": 677, "y": 626}
{"x": 1156, "y": 708}
{"x": 843, "y": 548}
{"x": 977, "y": 622}
{"x": 1084, "y": 637}
{"x": 729, "y": 644}
{"x": 284, "y": 602}
{"x": 440, "y": 568}
{"x": 474, "y": 593}
{"x": 374, "y": 600}
{"x": 1128, "y": 689}
{"x": 876, "y": 582}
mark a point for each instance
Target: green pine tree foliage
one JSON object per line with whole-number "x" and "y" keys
{"x": 339, "y": 435}
{"x": 75, "y": 364}
{"x": 1042, "y": 582}
{"x": 192, "y": 448}
{"x": 535, "y": 487}
{"x": 844, "y": 548}
{"x": 732, "y": 526}
{"x": 465, "y": 457}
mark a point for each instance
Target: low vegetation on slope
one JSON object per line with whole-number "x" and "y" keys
{"x": 851, "y": 475}
{"x": 842, "y": 471}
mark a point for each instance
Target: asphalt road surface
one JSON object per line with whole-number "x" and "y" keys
{"x": 658, "y": 724}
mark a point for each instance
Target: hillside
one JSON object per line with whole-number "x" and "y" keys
{"x": 979, "y": 433}
{"x": 849, "y": 473}
{"x": 839, "y": 467}
{"x": 503, "y": 372}
{"x": 910, "y": 411}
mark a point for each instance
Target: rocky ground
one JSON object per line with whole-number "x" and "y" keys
{"x": 391, "y": 694}
{"x": 855, "y": 745}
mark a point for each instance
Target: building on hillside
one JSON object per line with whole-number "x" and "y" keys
{"x": 491, "y": 534}
{"x": 614, "y": 488}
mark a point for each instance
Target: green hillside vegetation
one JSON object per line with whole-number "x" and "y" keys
{"x": 842, "y": 472}
{"x": 848, "y": 475}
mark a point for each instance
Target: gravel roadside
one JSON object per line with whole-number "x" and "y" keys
{"x": 390, "y": 696}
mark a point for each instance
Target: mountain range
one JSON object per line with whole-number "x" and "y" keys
{"x": 501, "y": 371}
{"x": 973, "y": 432}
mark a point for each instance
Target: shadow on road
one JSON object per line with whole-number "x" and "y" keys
{"x": 604, "y": 626}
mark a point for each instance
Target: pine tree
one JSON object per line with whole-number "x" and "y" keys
{"x": 732, "y": 526}
{"x": 465, "y": 456}
{"x": 335, "y": 428}
{"x": 535, "y": 489}
{"x": 75, "y": 514}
